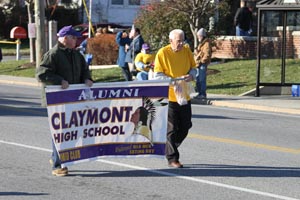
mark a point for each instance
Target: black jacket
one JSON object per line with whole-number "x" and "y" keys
{"x": 134, "y": 48}
{"x": 61, "y": 63}
{"x": 243, "y": 18}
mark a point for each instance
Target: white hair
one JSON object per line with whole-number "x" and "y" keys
{"x": 201, "y": 32}
{"x": 175, "y": 32}
{"x": 61, "y": 39}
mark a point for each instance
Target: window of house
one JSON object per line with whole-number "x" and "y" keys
{"x": 66, "y": 1}
{"x": 126, "y": 2}
{"x": 117, "y": 2}
{"x": 134, "y": 2}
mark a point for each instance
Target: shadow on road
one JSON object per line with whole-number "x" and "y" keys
{"x": 21, "y": 194}
{"x": 203, "y": 170}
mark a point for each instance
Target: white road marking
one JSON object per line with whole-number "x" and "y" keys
{"x": 199, "y": 180}
{"x": 232, "y": 187}
{"x": 25, "y": 146}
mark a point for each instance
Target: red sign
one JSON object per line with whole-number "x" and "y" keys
{"x": 18, "y": 32}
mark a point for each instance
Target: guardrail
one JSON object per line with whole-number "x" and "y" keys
{"x": 18, "y": 47}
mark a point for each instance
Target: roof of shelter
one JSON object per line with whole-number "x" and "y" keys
{"x": 278, "y": 4}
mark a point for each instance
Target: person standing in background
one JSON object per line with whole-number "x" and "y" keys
{"x": 134, "y": 48}
{"x": 122, "y": 40}
{"x": 243, "y": 20}
{"x": 203, "y": 57}
{"x": 63, "y": 65}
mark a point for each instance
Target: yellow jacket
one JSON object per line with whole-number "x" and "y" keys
{"x": 174, "y": 64}
{"x": 145, "y": 59}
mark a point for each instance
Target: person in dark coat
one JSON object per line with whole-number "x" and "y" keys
{"x": 134, "y": 48}
{"x": 243, "y": 20}
{"x": 122, "y": 40}
{"x": 63, "y": 65}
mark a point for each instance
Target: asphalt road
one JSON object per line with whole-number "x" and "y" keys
{"x": 229, "y": 154}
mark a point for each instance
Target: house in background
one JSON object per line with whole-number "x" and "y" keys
{"x": 121, "y": 12}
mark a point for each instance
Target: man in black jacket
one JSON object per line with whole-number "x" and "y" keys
{"x": 134, "y": 48}
{"x": 243, "y": 20}
{"x": 63, "y": 65}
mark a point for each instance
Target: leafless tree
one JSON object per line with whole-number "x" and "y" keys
{"x": 197, "y": 12}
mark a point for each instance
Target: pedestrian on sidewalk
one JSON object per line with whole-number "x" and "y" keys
{"x": 243, "y": 20}
{"x": 203, "y": 57}
{"x": 122, "y": 40}
{"x": 176, "y": 61}
{"x": 63, "y": 65}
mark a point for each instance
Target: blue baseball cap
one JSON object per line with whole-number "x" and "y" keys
{"x": 68, "y": 30}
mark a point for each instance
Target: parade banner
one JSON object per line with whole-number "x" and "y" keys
{"x": 108, "y": 119}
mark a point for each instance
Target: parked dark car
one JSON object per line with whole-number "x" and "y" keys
{"x": 84, "y": 29}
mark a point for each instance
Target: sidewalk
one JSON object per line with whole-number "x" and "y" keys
{"x": 271, "y": 103}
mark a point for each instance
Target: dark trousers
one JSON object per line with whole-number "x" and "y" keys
{"x": 179, "y": 123}
{"x": 126, "y": 73}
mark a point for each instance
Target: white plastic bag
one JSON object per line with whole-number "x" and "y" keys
{"x": 150, "y": 74}
{"x": 182, "y": 90}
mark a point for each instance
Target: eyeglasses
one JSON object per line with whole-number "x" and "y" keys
{"x": 179, "y": 41}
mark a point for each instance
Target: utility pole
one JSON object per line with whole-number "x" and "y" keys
{"x": 90, "y": 18}
{"x": 39, "y": 8}
{"x": 31, "y": 37}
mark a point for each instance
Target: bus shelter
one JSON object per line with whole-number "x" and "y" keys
{"x": 278, "y": 43}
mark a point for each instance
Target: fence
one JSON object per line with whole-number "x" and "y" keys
{"x": 18, "y": 47}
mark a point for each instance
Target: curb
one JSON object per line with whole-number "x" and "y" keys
{"x": 102, "y": 66}
{"x": 221, "y": 103}
{"x": 19, "y": 81}
{"x": 255, "y": 107}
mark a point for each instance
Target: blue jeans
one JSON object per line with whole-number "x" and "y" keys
{"x": 201, "y": 80}
{"x": 89, "y": 58}
{"x": 55, "y": 157}
{"x": 142, "y": 76}
{"x": 241, "y": 32}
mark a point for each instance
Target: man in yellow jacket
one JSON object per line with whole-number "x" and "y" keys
{"x": 176, "y": 61}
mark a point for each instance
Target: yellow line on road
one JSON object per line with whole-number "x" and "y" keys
{"x": 243, "y": 143}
